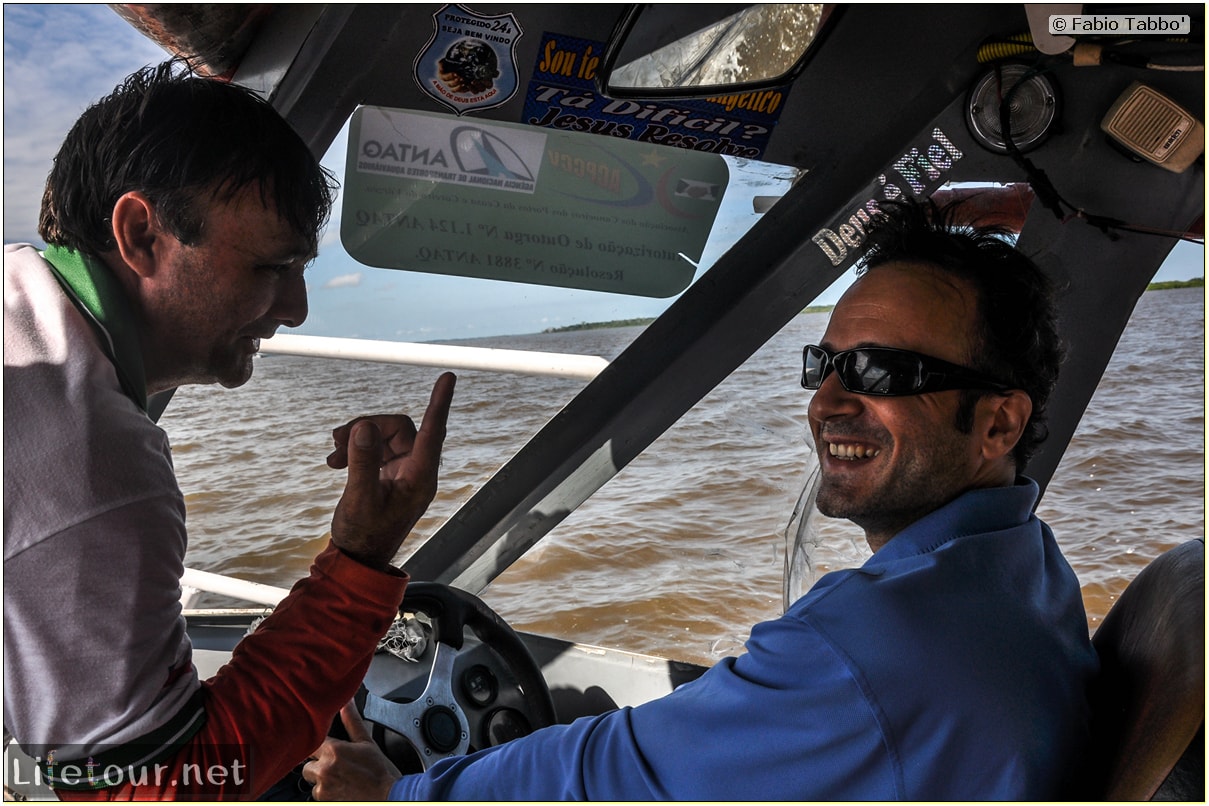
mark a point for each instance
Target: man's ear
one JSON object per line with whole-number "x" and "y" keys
{"x": 1004, "y": 419}
{"x": 137, "y": 232}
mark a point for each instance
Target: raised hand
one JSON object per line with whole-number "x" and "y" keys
{"x": 392, "y": 476}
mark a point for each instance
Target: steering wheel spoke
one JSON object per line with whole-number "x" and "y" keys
{"x": 435, "y": 722}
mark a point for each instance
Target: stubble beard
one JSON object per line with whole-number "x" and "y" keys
{"x": 922, "y": 484}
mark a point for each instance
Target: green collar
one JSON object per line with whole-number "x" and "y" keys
{"x": 96, "y": 292}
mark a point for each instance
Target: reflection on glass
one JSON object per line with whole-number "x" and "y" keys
{"x": 757, "y": 44}
{"x": 816, "y": 544}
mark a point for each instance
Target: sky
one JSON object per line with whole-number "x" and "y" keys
{"x": 59, "y": 58}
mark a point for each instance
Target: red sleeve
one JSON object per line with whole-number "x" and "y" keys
{"x": 273, "y": 703}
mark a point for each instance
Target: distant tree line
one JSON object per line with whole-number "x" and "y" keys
{"x": 599, "y": 325}
{"x": 1196, "y": 282}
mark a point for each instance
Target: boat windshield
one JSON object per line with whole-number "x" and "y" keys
{"x": 676, "y": 556}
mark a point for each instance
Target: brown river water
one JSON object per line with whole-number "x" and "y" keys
{"x": 683, "y": 551}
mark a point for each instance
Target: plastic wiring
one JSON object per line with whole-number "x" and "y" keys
{"x": 1049, "y": 195}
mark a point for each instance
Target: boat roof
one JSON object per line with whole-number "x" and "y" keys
{"x": 884, "y": 104}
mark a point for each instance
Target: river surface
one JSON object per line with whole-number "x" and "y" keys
{"x": 683, "y": 551}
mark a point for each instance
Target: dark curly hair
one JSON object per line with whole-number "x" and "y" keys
{"x": 183, "y": 141}
{"x": 1017, "y": 340}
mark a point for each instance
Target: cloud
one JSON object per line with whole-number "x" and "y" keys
{"x": 344, "y": 281}
{"x": 58, "y": 59}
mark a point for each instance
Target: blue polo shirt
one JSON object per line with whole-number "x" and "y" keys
{"x": 953, "y": 665}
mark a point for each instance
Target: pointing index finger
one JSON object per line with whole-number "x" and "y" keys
{"x": 432, "y": 430}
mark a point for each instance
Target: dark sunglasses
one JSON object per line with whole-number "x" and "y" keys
{"x": 889, "y": 372}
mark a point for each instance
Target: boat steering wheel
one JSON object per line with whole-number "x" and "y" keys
{"x": 476, "y": 695}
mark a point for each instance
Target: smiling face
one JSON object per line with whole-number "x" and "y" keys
{"x": 207, "y": 305}
{"x": 888, "y": 461}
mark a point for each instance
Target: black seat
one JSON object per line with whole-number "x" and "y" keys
{"x": 1149, "y": 703}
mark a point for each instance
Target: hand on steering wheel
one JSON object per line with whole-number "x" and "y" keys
{"x": 438, "y": 723}
{"x": 354, "y": 770}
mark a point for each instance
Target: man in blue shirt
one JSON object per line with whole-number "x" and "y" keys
{"x": 953, "y": 665}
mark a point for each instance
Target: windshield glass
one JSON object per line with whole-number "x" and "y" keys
{"x": 682, "y": 551}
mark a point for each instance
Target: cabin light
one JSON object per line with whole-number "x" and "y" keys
{"x": 1032, "y": 107}
{"x": 1149, "y": 124}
